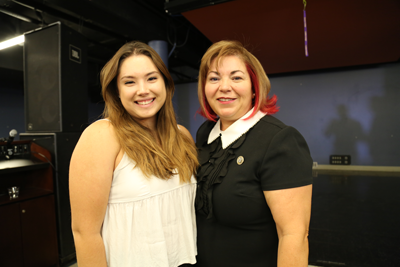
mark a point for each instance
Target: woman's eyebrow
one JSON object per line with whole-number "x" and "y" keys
{"x": 132, "y": 77}
{"x": 233, "y": 72}
{"x": 213, "y": 71}
{"x": 151, "y": 73}
{"x": 127, "y": 77}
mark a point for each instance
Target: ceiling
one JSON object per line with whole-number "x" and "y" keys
{"x": 340, "y": 33}
{"x": 107, "y": 25}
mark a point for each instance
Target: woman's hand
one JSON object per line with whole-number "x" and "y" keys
{"x": 291, "y": 209}
{"x": 91, "y": 172}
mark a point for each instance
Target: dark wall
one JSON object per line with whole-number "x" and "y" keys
{"x": 12, "y": 109}
{"x": 352, "y": 112}
{"x": 186, "y": 105}
{"x": 347, "y": 111}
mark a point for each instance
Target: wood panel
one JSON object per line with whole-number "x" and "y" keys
{"x": 38, "y": 227}
{"x": 10, "y": 236}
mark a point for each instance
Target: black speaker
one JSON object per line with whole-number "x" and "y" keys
{"x": 60, "y": 146}
{"x": 55, "y": 80}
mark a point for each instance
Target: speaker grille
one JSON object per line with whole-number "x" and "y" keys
{"x": 55, "y": 72}
{"x": 42, "y": 80}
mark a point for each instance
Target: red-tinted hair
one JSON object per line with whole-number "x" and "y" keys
{"x": 270, "y": 105}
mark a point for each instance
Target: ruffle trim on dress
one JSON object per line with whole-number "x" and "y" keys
{"x": 212, "y": 172}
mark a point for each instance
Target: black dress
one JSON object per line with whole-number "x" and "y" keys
{"x": 235, "y": 226}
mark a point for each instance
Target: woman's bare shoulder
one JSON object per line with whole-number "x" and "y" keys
{"x": 100, "y": 132}
{"x": 185, "y": 132}
{"x": 100, "y": 127}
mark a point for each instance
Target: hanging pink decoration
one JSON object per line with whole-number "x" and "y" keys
{"x": 305, "y": 27}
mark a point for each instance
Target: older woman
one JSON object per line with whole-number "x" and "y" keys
{"x": 132, "y": 186}
{"x": 253, "y": 200}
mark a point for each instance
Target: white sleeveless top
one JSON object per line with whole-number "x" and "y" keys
{"x": 149, "y": 222}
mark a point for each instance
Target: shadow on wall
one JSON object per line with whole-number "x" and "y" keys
{"x": 380, "y": 145}
{"x": 351, "y": 111}
{"x": 347, "y": 133}
{"x": 384, "y": 137}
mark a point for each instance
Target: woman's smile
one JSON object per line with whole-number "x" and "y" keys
{"x": 145, "y": 102}
{"x": 226, "y": 100}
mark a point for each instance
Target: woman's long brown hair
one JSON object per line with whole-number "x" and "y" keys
{"x": 177, "y": 151}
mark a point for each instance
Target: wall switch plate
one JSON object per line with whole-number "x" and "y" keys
{"x": 340, "y": 159}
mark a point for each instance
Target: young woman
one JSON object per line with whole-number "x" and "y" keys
{"x": 132, "y": 187}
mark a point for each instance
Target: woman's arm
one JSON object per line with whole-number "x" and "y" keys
{"x": 291, "y": 209}
{"x": 91, "y": 171}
